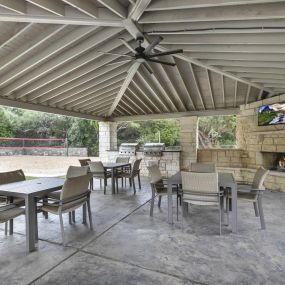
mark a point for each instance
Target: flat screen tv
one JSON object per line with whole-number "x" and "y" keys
{"x": 271, "y": 114}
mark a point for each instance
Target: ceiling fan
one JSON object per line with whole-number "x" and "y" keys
{"x": 143, "y": 55}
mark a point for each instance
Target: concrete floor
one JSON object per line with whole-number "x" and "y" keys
{"x": 130, "y": 247}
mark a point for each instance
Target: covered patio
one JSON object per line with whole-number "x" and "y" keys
{"x": 129, "y": 247}
{"x": 73, "y": 58}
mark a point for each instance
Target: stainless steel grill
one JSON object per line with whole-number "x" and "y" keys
{"x": 153, "y": 149}
{"x": 128, "y": 149}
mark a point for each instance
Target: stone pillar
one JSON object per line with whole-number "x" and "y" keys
{"x": 107, "y": 139}
{"x": 188, "y": 140}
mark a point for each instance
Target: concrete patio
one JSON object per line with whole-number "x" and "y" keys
{"x": 130, "y": 247}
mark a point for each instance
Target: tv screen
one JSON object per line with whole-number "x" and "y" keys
{"x": 271, "y": 114}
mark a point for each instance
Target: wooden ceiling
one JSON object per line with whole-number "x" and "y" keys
{"x": 50, "y": 60}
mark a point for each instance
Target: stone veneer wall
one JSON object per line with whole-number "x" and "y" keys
{"x": 255, "y": 140}
{"x": 107, "y": 139}
{"x": 188, "y": 141}
{"x": 168, "y": 162}
{"x": 222, "y": 157}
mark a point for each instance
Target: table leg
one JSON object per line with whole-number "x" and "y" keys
{"x": 234, "y": 207}
{"x": 170, "y": 203}
{"x": 30, "y": 205}
{"x": 113, "y": 180}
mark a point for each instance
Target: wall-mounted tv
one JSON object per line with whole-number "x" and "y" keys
{"x": 271, "y": 114}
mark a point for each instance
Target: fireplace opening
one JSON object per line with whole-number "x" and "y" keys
{"x": 274, "y": 160}
{"x": 280, "y": 162}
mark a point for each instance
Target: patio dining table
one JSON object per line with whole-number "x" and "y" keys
{"x": 30, "y": 190}
{"x": 225, "y": 180}
{"x": 112, "y": 166}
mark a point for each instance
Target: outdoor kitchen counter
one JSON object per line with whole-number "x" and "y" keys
{"x": 169, "y": 161}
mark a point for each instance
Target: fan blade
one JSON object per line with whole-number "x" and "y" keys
{"x": 118, "y": 62}
{"x": 117, "y": 54}
{"x": 127, "y": 45}
{"x": 166, "y": 53}
{"x": 147, "y": 67}
{"x": 153, "y": 44}
{"x": 159, "y": 61}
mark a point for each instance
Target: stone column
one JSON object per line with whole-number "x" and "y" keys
{"x": 107, "y": 139}
{"x": 188, "y": 140}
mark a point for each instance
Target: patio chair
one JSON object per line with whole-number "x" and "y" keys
{"x": 203, "y": 167}
{"x": 159, "y": 187}
{"x": 135, "y": 172}
{"x": 123, "y": 159}
{"x": 84, "y": 162}
{"x": 74, "y": 194}
{"x": 72, "y": 171}
{"x": 98, "y": 172}
{"x": 8, "y": 213}
{"x": 10, "y": 177}
{"x": 201, "y": 189}
{"x": 253, "y": 193}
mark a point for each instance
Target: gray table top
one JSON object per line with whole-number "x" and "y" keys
{"x": 225, "y": 179}
{"x": 34, "y": 187}
{"x": 110, "y": 165}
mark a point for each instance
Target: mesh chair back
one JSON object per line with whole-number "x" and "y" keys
{"x": 96, "y": 166}
{"x": 122, "y": 159}
{"x": 200, "y": 182}
{"x": 12, "y": 176}
{"x": 203, "y": 167}
{"x": 136, "y": 165}
{"x": 74, "y": 171}
{"x": 84, "y": 162}
{"x": 75, "y": 186}
{"x": 259, "y": 178}
{"x": 155, "y": 174}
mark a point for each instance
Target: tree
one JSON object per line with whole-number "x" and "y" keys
{"x": 217, "y": 131}
{"x": 84, "y": 133}
{"x": 6, "y": 127}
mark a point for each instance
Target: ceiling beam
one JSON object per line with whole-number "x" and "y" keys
{"x": 235, "y": 94}
{"x": 264, "y": 76}
{"x": 131, "y": 73}
{"x": 197, "y": 86}
{"x": 210, "y": 88}
{"x": 115, "y": 6}
{"x": 64, "y": 57}
{"x": 16, "y": 6}
{"x": 242, "y": 69}
{"x": 74, "y": 83}
{"x": 240, "y": 12}
{"x": 70, "y": 98}
{"x": 78, "y": 67}
{"x": 228, "y": 111}
{"x": 53, "y": 6}
{"x": 154, "y": 94}
{"x": 40, "y": 108}
{"x": 135, "y": 98}
{"x": 264, "y": 38}
{"x": 41, "y": 57}
{"x": 247, "y": 94}
{"x": 138, "y": 9}
{"x": 76, "y": 100}
{"x": 223, "y": 90}
{"x": 85, "y": 6}
{"x": 238, "y": 56}
{"x": 102, "y": 21}
{"x": 138, "y": 90}
{"x": 161, "y": 5}
{"x": 45, "y": 35}
{"x": 229, "y": 48}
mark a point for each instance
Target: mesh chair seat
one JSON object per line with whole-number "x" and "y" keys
{"x": 10, "y": 212}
